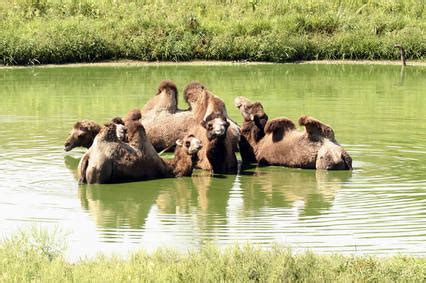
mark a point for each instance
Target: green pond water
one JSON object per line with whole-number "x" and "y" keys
{"x": 378, "y": 114}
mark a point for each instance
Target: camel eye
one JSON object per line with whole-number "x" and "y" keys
{"x": 187, "y": 144}
{"x": 209, "y": 126}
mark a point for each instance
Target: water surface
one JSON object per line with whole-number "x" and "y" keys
{"x": 377, "y": 112}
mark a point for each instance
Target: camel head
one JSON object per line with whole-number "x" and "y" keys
{"x": 332, "y": 156}
{"x": 82, "y": 134}
{"x": 190, "y": 144}
{"x": 193, "y": 93}
{"x": 249, "y": 110}
{"x": 216, "y": 125}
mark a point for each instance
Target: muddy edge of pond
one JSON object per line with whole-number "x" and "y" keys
{"x": 119, "y": 63}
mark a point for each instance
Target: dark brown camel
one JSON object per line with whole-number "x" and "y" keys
{"x": 278, "y": 142}
{"x": 219, "y": 150}
{"x": 202, "y": 104}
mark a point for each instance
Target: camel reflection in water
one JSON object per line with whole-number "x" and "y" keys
{"x": 312, "y": 191}
{"x": 204, "y": 208}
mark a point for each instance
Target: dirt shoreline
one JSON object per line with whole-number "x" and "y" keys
{"x": 121, "y": 63}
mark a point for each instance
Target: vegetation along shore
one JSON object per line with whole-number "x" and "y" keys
{"x": 38, "y": 257}
{"x": 36, "y": 32}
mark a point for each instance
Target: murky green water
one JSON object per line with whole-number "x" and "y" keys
{"x": 377, "y": 112}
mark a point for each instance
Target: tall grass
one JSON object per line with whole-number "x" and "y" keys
{"x": 62, "y": 31}
{"x": 35, "y": 257}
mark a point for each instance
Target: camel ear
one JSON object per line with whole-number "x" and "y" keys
{"x": 179, "y": 142}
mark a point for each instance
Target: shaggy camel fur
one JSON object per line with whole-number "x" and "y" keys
{"x": 110, "y": 160}
{"x": 278, "y": 142}
{"x": 219, "y": 150}
{"x": 84, "y": 132}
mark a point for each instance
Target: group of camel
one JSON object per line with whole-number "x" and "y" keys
{"x": 203, "y": 137}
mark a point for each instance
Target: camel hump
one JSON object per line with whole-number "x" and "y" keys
{"x": 316, "y": 128}
{"x": 167, "y": 84}
{"x": 133, "y": 115}
{"x": 279, "y": 124}
{"x": 278, "y": 127}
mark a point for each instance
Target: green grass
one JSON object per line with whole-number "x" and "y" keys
{"x": 36, "y": 257}
{"x": 65, "y": 31}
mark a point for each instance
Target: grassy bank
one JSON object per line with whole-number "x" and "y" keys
{"x": 37, "y": 257}
{"x": 69, "y": 31}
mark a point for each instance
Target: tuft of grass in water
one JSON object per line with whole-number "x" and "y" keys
{"x": 66, "y": 31}
{"x": 36, "y": 257}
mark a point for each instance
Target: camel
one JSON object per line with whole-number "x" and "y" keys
{"x": 110, "y": 160}
{"x": 219, "y": 151}
{"x": 84, "y": 132}
{"x": 278, "y": 142}
{"x": 202, "y": 104}
{"x": 185, "y": 156}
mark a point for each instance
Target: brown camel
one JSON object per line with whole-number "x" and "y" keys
{"x": 278, "y": 142}
{"x": 219, "y": 151}
{"x": 202, "y": 103}
{"x": 111, "y": 160}
{"x": 185, "y": 156}
{"x": 84, "y": 132}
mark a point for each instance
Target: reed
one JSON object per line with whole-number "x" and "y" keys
{"x": 66, "y": 31}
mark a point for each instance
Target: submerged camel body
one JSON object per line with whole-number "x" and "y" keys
{"x": 110, "y": 160}
{"x": 278, "y": 142}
